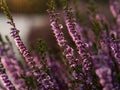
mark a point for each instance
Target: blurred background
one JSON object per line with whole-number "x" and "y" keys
{"x": 32, "y": 20}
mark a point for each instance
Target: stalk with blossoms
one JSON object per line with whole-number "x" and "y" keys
{"x": 26, "y": 54}
{"x": 4, "y": 77}
{"x": 68, "y": 51}
{"x": 104, "y": 73}
{"x": 115, "y": 43}
{"x": 94, "y": 65}
{"x": 15, "y": 73}
{"x": 8, "y": 84}
{"x": 114, "y": 7}
{"x": 81, "y": 47}
{"x": 15, "y": 34}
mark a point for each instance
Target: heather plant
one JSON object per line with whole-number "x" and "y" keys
{"x": 92, "y": 63}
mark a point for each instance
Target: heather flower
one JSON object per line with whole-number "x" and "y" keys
{"x": 45, "y": 79}
{"x": 71, "y": 28}
{"x": 10, "y": 61}
{"x": 114, "y": 45}
{"x": 104, "y": 73}
{"x": 58, "y": 74}
{"x": 38, "y": 74}
{"x": 37, "y": 60}
{"x": 15, "y": 73}
{"x": 95, "y": 65}
{"x": 114, "y": 7}
{"x": 25, "y": 53}
{"x": 4, "y": 77}
{"x": 68, "y": 51}
{"x": 36, "y": 70}
{"x": 105, "y": 46}
{"x": 87, "y": 60}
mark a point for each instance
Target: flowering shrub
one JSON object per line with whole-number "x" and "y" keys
{"x": 93, "y": 65}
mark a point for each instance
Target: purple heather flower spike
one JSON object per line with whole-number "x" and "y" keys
{"x": 104, "y": 74}
{"x": 115, "y": 9}
{"x": 4, "y": 77}
{"x": 58, "y": 72}
{"x": 82, "y": 50}
{"x": 115, "y": 45}
{"x": 105, "y": 45}
{"x": 72, "y": 31}
{"x": 45, "y": 80}
{"x": 15, "y": 73}
{"x": 104, "y": 71}
{"x": 68, "y": 51}
{"x": 29, "y": 59}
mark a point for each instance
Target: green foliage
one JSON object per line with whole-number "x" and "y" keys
{"x": 96, "y": 27}
{"x": 94, "y": 48}
{"x": 29, "y": 80}
{"x": 77, "y": 12}
{"x": 104, "y": 26}
{"x": 118, "y": 77}
{"x": 92, "y": 10}
{"x": 92, "y": 7}
{"x": 5, "y": 9}
{"x": 51, "y": 4}
{"x": 78, "y": 68}
{"x": 2, "y": 42}
{"x": 1, "y": 39}
{"x": 65, "y": 3}
{"x": 8, "y": 40}
{"x": 42, "y": 47}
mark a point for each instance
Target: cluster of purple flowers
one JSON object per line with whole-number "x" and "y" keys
{"x": 93, "y": 65}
